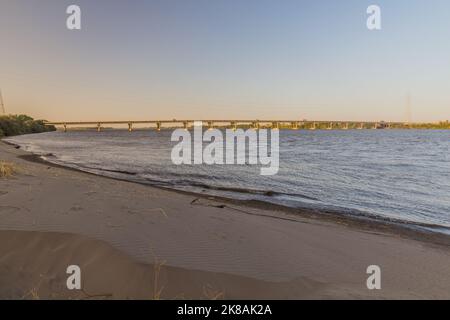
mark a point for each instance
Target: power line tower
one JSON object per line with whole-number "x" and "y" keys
{"x": 408, "y": 109}
{"x": 2, "y": 104}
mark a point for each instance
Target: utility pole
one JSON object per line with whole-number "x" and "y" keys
{"x": 2, "y": 104}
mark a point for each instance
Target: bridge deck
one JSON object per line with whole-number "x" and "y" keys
{"x": 293, "y": 124}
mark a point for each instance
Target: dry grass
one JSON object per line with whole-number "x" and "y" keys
{"x": 212, "y": 294}
{"x": 157, "y": 289}
{"x": 7, "y": 169}
{"x": 33, "y": 293}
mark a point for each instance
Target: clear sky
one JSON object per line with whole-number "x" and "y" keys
{"x": 202, "y": 59}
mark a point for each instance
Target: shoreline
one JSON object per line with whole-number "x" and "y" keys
{"x": 119, "y": 230}
{"x": 366, "y": 221}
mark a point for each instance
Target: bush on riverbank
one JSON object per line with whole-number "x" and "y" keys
{"x": 7, "y": 169}
{"x": 14, "y": 125}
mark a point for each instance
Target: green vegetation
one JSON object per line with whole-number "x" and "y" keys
{"x": 440, "y": 125}
{"x": 13, "y": 125}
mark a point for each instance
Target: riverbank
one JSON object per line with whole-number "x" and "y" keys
{"x": 118, "y": 231}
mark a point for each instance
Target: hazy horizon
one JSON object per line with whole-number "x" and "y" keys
{"x": 218, "y": 59}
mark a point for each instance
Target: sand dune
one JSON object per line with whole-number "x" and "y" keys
{"x": 33, "y": 266}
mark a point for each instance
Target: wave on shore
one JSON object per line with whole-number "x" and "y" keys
{"x": 362, "y": 186}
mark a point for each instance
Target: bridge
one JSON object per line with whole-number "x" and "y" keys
{"x": 234, "y": 124}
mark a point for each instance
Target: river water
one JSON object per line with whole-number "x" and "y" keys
{"x": 401, "y": 175}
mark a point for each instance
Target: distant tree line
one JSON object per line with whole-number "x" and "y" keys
{"x": 440, "y": 125}
{"x": 13, "y": 125}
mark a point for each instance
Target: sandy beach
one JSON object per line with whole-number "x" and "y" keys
{"x": 133, "y": 241}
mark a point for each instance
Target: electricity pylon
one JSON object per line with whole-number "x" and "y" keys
{"x": 408, "y": 109}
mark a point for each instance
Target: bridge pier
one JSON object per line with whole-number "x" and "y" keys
{"x": 294, "y": 125}
{"x": 255, "y": 125}
{"x": 158, "y": 126}
{"x": 331, "y": 126}
{"x": 361, "y": 126}
{"x": 275, "y": 125}
{"x": 65, "y": 127}
{"x": 186, "y": 125}
{"x": 130, "y": 127}
{"x": 99, "y": 127}
{"x": 346, "y": 126}
{"x": 233, "y": 125}
{"x": 210, "y": 125}
{"x": 313, "y": 127}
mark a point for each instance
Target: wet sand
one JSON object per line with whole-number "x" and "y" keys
{"x": 117, "y": 231}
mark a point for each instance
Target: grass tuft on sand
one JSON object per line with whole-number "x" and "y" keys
{"x": 7, "y": 169}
